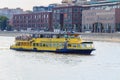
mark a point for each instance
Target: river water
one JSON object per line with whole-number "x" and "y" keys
{"x": 103, "y": 64}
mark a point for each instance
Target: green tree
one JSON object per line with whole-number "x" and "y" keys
{"x": 3, "y": 23}
{"x": 8, "y": 27}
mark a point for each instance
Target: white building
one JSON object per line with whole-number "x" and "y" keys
{"x": 9, "y": 12}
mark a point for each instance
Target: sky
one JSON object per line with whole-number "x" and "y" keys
{"x": 26, "y": 4}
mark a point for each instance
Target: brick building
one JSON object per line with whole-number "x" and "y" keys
{"x": 34, "y": 21}
{"x": 68, "y": 18}
{"x": 101, "y": 16}
{"x": 107, "y": 21}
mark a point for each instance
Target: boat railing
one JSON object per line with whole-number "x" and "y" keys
{"x": 24, "y": 37}
{"x": 29, "y": 37}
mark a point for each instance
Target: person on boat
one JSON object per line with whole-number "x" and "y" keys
{"x": 65, "y": 44}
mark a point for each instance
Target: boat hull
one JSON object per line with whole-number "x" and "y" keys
{"x": 64, "y": 51}
{"x": 76, "y": 51}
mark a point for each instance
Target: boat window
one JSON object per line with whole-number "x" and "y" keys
{"x": 18, "y": 44}
{"x": 88, "y": 45}
{"x": 50, "y": 44}
{"x": 60, "y": 44}
{"x": 40, "y": 44}
{"x": 78, "y": 45}
{"x": 28, "y": 44}
{"x": 24, "y": 43}
{"x": 43, "y": 45}
{"x": 83, "y": 45}
{"x": 73, "y": 45}
{"x": 55, "y": 44}
{"x": 37, "y": 44}
{"x": 46, "y": 45}
{"x": 33, "y": 44}
{"x": 69, "y": 45}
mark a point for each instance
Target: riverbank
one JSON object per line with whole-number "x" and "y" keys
{"x": 10, "y": 33}
{"x": 111, "y": 37}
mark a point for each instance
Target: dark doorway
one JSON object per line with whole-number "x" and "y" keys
{"x": 98, "y": 27}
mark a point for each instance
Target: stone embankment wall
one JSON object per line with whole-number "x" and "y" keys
{"x": 11, "y": 34}
{"x": 112, "y": 37}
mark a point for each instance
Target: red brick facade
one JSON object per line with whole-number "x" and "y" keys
{"x": 68, "y": 18}
{"x": 34, "y": 21}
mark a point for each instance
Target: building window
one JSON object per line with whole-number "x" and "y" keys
{"x": 80, "y": 9}
{"x": 70, "y": 10}
{"x": 75, "y": 9}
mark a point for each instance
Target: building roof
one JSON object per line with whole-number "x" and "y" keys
{"x": 102, "y": 4}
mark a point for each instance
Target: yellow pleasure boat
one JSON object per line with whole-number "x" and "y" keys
{"x": 58, "y": 43}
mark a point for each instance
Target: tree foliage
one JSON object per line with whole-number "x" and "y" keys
{"x": 3, "y": 23}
